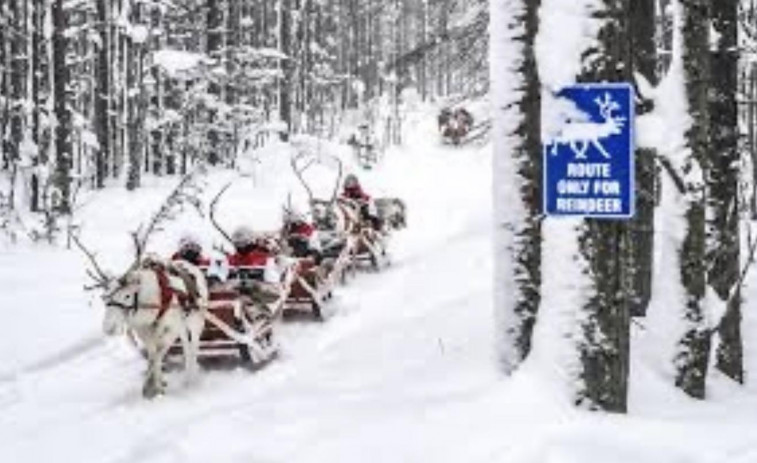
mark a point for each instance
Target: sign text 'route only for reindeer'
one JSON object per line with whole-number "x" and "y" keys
{"x": 588, "y": 154}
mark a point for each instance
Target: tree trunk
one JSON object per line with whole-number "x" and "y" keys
{"x": 18, "y": 76}
{"x": 102, "y": 94}
{"x": 723, "y": 182}
{"x": 642, "y": 27}
{"x": 604, "y": 347}
{"x": 63, "y": 129}
{"x": 694, "y": 347}
{"x": 285, "y": 87}
{"x": 518, "y": 279}
{"x": 38, "y": 79}
{"x": 214, "y": 45}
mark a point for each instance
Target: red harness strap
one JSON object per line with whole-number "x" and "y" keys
{"x": 166, "y": 292}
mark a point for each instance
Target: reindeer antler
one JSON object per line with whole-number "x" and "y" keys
{"x": 213, "y": 213}
{"x": 606, "y": 105}
{"x": 96, "y": 273}
{"x": 338, "y": 181}
{"x": 186, "y": 191}
{"x": 287, "y": 207}
{"x": 298, "y": 171}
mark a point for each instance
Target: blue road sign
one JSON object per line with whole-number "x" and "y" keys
{"x": 588, "y": 157}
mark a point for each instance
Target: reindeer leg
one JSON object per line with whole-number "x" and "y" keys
{"x": 187, "y": 351}
{"x": 601, "y": 149}
{"x": 149, "y": 388}
{"x": 195, "y": 323}
{"x": 579, "y": 148}
{"x": 165, "y": 337}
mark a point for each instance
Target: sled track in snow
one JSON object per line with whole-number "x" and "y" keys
{"x": 60, "y": 358}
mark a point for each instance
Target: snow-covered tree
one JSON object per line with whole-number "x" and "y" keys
{"x": 692, "y": 357}
{"x": 517, "y": 176}
{"x": 723, "y": 186}
{"x": 583, "y": 326}
{"x": 679, "y": 328}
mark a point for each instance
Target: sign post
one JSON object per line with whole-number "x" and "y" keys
{"x": 589, "y": 158}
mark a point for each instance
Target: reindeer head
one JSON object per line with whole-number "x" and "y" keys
{"x": 120, "y": 299}
{"x": 119, "y": 294}
{"x": 324, "y": 214}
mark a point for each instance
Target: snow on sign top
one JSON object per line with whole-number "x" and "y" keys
{"x": 588, "y": 152}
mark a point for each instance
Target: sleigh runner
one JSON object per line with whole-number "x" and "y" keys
{"x": 313, "y": 284}
{"x": 236, "y": 327}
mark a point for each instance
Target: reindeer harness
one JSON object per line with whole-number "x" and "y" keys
{"x": 167, "y": 292}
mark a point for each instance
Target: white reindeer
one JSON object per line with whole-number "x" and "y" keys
{"x": 137, "y": 301}
{"x": 158, "y": 302}
{"x": 580, "y": 135}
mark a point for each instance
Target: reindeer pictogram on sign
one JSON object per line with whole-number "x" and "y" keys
{"x": 580, "y": 135}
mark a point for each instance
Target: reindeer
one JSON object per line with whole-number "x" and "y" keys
{"x": 392, "y": 212}
{"x": 341, "y": 217}
{"x": 157, "y": 302}
{"x": 580, "y": 135}
{"x": 338, "y": 215}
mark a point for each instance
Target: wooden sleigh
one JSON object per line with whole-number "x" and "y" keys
{"x": 241, "y": 318}
{"x": 313, "y": 284}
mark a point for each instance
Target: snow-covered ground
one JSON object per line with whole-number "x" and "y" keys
{"x": 402, "y": 370}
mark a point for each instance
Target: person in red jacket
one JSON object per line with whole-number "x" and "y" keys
{"x": 190, "y": 250}
{"x": 252, "y": 252}
{"x": 254, "y": 268}
{"x": 301, "y": 235}
{"x": 352, "y": 190}
{"x": 248, "y": 249}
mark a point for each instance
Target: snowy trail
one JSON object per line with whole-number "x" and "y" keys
{"x": 402, "y": 370}
{"x": 371, "y": 350}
